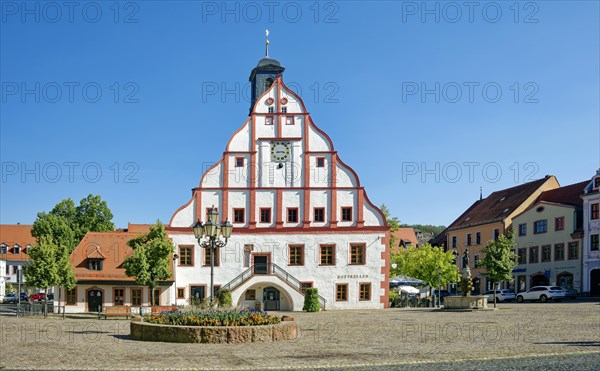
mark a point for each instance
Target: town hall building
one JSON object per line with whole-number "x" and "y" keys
{"x": 300, "y": 215}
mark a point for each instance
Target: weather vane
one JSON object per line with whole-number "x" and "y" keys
{"x": 267, "y": 43}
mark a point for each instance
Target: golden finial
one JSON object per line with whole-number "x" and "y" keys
{"x": 267, "y": 43}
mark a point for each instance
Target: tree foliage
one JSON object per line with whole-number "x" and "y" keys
{"x": 499, "y": 260}
{"x": 392, "y": 222}
{"x": 311, "y": 300}
{"x": 427, "y": 263}
{"x": 151, "y": 259}
{"x": 427, "y": 228}
{"x": 43, "y": 271}
{"x": 67, "y": 224}
{"x": 8, "y": 287}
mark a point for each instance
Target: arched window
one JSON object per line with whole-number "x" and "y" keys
{"x": 268, "y": 83}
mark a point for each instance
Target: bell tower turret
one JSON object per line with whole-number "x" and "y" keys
{"x": 264, "y": 74}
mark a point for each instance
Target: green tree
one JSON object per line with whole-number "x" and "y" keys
{"x": 499, "y": 260}
{"x": 92, "y": 215}
{"x": 151, "y": 260}
{"x": 392, "y": 222}
{"x": 43, "y": 272}
{"x": 427, "y": 263}
{"x": 8, "y": 287}
{"x": 311, "y": 300}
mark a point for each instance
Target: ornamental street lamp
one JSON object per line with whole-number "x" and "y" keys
{"x": 175, "y": 257}
{"x": 212, "y": 231}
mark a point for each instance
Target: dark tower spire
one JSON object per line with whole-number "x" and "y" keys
{"x": 264, "y": 74}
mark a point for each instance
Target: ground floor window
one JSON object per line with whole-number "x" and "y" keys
{"x": 594, "y": 242}
{"x": 564, "y": 279}
{"x": 156, "y": 301}
{"x": 72, "y": 296}
{"x": 136, "y": 297}
{"x": 341, "y": 292}
{"x": 364, "y": 292}
{"x": 180, "y": 293}
{"x": 539, "y": 280}
{"x": 118, "y": 296}
{"x": 305, "y": 285}
{"x": 250, "y": 295}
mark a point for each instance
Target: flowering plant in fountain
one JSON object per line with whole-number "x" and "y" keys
{"x": 213, "y": 317}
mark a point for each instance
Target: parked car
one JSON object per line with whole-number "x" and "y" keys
{"x": 501, "y": 295}
{"x": 23, "y": 296}
{"x": 11, "y": 297}
{"x": 570, "y": 293}
{"x": 542, "y": 293}
{"x": 50, "y": 296}
{"x": 38, "y": 297}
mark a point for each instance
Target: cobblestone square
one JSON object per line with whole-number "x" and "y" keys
{"x": 332, "y": 338}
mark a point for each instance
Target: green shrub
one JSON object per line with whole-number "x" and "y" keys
{"x": 192, "y": 316}
{"x": 225, "y": 300}
{"x": 311, "y": 300}
{"x": 394, "y": 297}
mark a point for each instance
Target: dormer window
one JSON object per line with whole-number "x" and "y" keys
{"x": 27, "y": 248}
{"x": 95, "y": 264}
{"x": 3, "y": 248}
{"x": 597, "y": 182}
{"x": 16, "y": 249}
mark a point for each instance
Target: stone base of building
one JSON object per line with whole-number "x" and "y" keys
{"x": 213, "y": 334}
{"x": 466, "y": 302}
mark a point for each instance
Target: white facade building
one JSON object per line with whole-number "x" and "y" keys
{"x": 2, "y": 280}
{"x": 591, "y": 228}
{"x": 301, "y": 217}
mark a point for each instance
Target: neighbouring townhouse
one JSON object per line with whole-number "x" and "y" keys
{"x": 101, "y": 279}
{"x": 486, "y": 219}
{"x": 301, "y": 216}
{"x": 591, "y": 240}
{"x": 15, "y": 240}
{"x": 549, "y": 240}
{"x": 404, "y": 237}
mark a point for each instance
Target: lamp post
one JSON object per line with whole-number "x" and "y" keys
{"x": 175, "y": 257}
{"x": 212, "y": 231}
{"x": 19, "y": 283}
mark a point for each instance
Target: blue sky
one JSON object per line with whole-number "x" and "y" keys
{"x": 427, "y": 103}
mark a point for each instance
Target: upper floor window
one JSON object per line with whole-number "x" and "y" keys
{"x": 284, "y": 109}
{"x": 270, "y": 109}
{"x": 540, "y": 226}
{"x": 496, "y": 234}
{"x": 559, "y": 251}
{"x": 292, "y": 216}
{"x": 475, "y": 260}
{"x": 186, "y": 256}
{"x": 239, "y": 215}
{"x": 546, "y": 253}
{"x": 522, "y": 256}
{"x": 559, "y": 223}
{"x": 454, "y": 242}
{"x": 208, "y": 257}
{"x": 357, "y": 254}
{"x": 595, "y": 211}
{"x": 523, "y": 229}
{"x": 534, "y": 254}
{"x": 239, "y": 162}
{"x": 296, "y": 255}
{"x": 16, "y": 249}
{"x": 327, "y": 254}
{"x": 320, "y": 161}
{"x": 319, "y": 214}
{"x": 594, "y": 242}
{"x": 3, "y": 249}
{"x": 478, "y": 238}
{"x": 468, "y": 239}
{"x": 95, "y": 264}
{"x": 573, "y": 250}
{"x": 346, "y": 214}
{"x": 265, "y": 215}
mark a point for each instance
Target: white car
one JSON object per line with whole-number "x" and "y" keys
{"x": 542, "y": 293}
{"x": 501, "y": 295}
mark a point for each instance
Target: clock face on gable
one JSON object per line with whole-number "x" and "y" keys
{"x": 280, "y": 151}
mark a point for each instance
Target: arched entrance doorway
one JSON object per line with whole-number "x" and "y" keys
{"x": 595, "y": 282}
{"x": 564, "y": 279}
{"x": 539, "y": 279}
{"x": 94, "y": 299}
{"x": 271, "y": 298}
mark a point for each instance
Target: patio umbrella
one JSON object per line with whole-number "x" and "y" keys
{"x": 403, "y": 280}
{"x": 409, "y": 289}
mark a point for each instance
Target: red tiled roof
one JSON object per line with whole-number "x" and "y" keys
{"x": 569, "y": 195}
{"x": 114, "y": 249}
{"x": 16, "y": 234}
{"x": 138, "y": 228}
{"x": 498, "y": 205}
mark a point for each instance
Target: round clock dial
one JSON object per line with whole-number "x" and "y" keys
{"x": 280, "y": 151}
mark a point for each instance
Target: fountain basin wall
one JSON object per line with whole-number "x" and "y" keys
{"x": 465, "y": 302}
{"x": 213, "y": 334}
